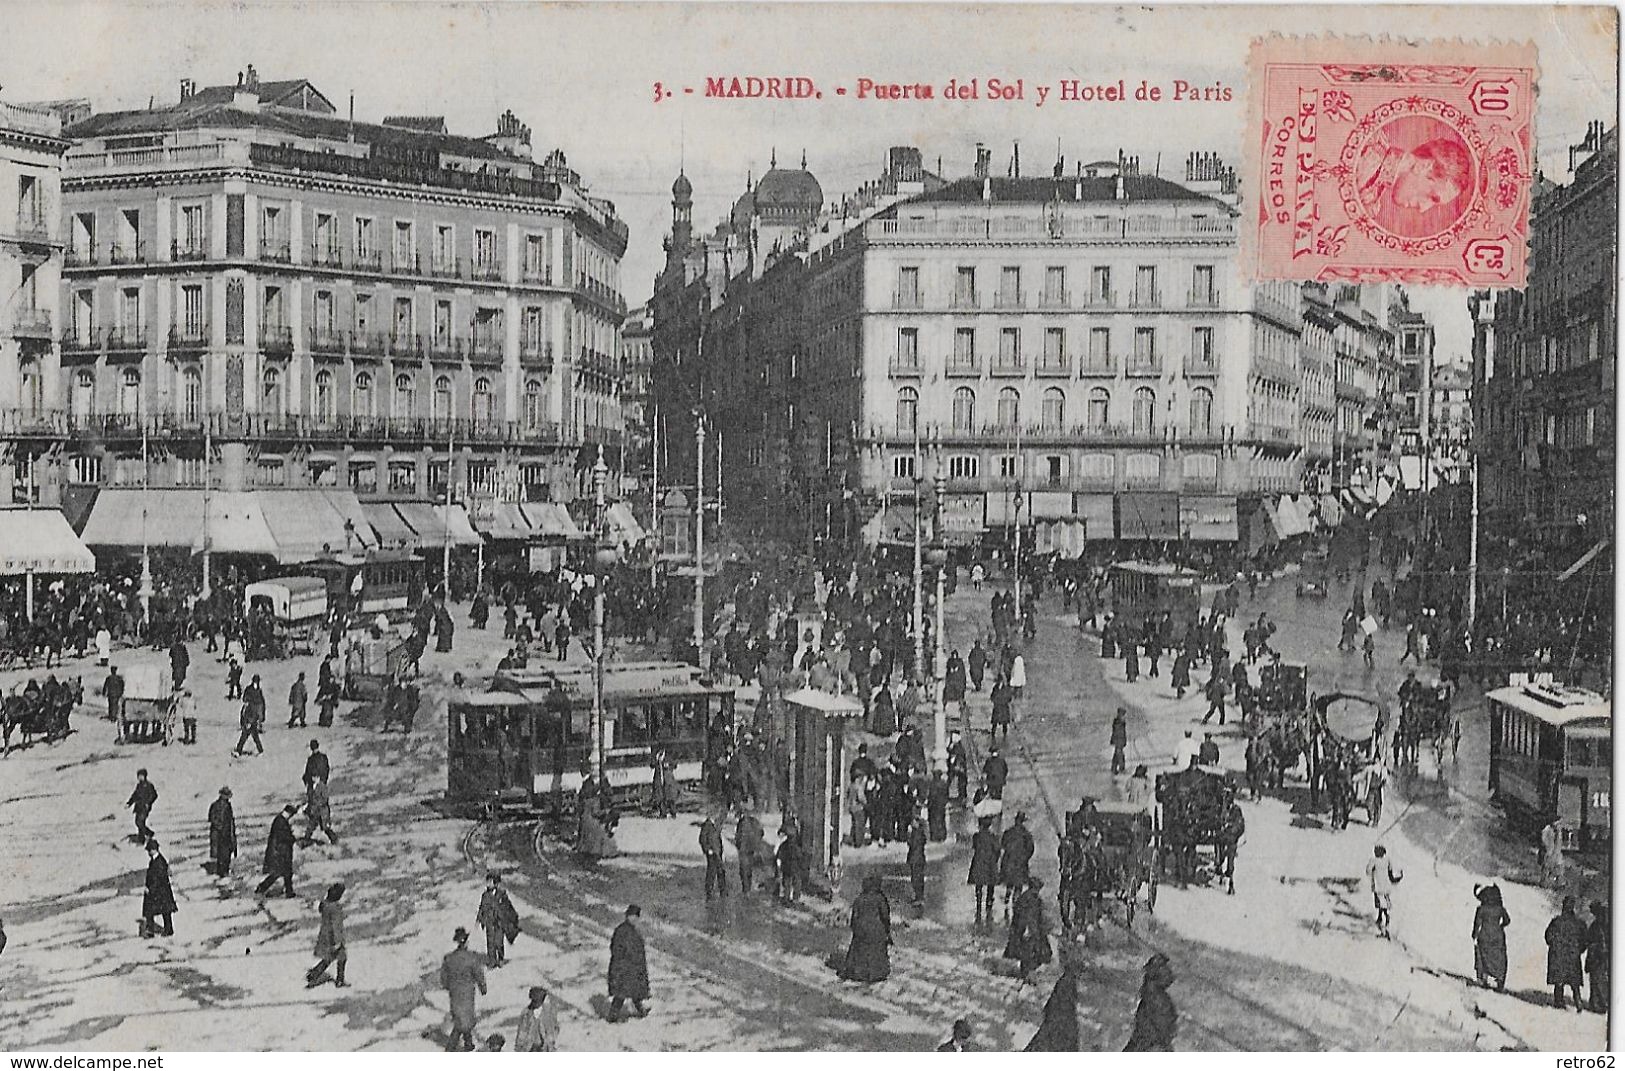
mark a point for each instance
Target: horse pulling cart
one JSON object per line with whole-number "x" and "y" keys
{"x": 1109, "y": 852}
{"x": 35, "y": 711}
{"x": 1201, "y": 826}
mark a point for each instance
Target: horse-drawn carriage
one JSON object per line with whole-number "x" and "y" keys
{"x": 285, "y": 615}
{"x": 1351, "y": 729}
{"x": 1109, "y": 851}
{"x": 38, "y": 710}
{"x": 1424, "y": 717}
{"x": 1201, "y": 826}
{"x": 1281, "y": 722}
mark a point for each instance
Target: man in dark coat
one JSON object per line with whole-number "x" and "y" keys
{"x": 317, "y": 767}
{"x": 1598, "y": 943}
{"x": 222, "y": 834}
{"x": 142, "y": 800}
{"x": 279, "y": 854}
{"x": 936, "y": 807}
{"x": 1003, "y": 696}
{"x": 159, "y": 898}
{"x": 1015, "y": 857}
{"x": 716, "y": 878}
{"x": 1565, "y": 940}
{"x": 462, "y": 976}
{"x": 977, "y": 665}
{"x": 497, "y": 917}
{"x": 868, "y": 957}
{"x": 984, "y": 865}
{"x": 628, "y": 967}
{"x": 958, "y": 766}
{"x": 916, "y": 860}
{"x": 1119, "y": 740}
{"x": 995, "y": 772}
{"x": 1155, "y": 1020}
{"x": 751, "y": 844}
{"x": 179, "y": 662}
{"x": 298, "y": 694}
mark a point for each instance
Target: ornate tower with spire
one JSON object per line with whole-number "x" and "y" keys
{"x": 682, "y": 213}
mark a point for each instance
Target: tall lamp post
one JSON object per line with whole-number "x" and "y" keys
{"x": 939, "y": 665}
{"x": 699, "y": 538}
{"x": 918, "y": 617}
{"x": 604, "y": 557}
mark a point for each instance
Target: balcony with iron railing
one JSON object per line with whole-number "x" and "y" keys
{"x": 536, "y": 353}
{"x": 486, "y": 347}
{"x": 367, "y": 259}
{"x": 127, "y": 339}
{"x": 1147, "y": 482}
{"x": 1145, "y": 298}
{"x": 445, "y": 267}
{"x": 402, "y": 262}
{"x": 326, "y": 255}
{"x": 405, "y": 344}
{"x": 83, "y": 256}
{"x": 1203, "y": 299}
{"x": 276, "y": 338}
{"x": 134, "y": 252}
{"x": 1054, "y": 299}
{"x": 485, "y": 271}
{"x": 904, "y": 299}
{"x": 1142, "y": 365}
{"x": 1053, "y": 366}
{"x": 966, "y": 299}
{"x": 276, "y": 249}
{"x": 1008, "y": 299}
{"x": 326, "y": 340}
{"x": 31, "y": 322}
{"x": 1009, "y": 365}
{"x": 448, "y": 348}
{"x": 1096, "y": 364}
{"x": 78, "y": 345}
{"x": 1100, "y": 299}
{"x": 33, "y": 225}
{"x": 1197, "y": 364}
{"x": 962, "y": 367}
{"x": 1087, "y": 226}
{"x": 368, "y": 343}
{"x": 39, "y": 422}
{"x": 181, "y": 251}
{"x": 537, "y": 274}
{"x": 189, "y": 338}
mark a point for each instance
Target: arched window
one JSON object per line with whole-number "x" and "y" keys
{"x": 964, "y": 409}
{"x": 1201, "y": 411}
{"x": 482, "y": 400}
{"x": 442, "y": 398}
{"x": 129, "y": 395}
{"x": 362, "y": 404}
{"x": 1145, "y": 410}
{"x": 33, "y": 384}
{"x": 84, "y": 393}
{"x": 271, "y": 392}
{"x": 1100, "y": 407}
{"x": 908, "y": 410}
{"x": 406, "y": 396}
{"x": 1054, "y": 412}
{"x": 533, "y": 404}
{"x": 324, "y": 396}
{"x": 1009, "y": 407}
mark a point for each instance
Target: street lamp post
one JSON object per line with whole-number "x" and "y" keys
{"x": 918, "y": 618}
{"x": 603, "y": 557}
{"x": 939, "y": 665}
{"x": 699, "y": 538}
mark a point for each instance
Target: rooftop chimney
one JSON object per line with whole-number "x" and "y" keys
{"x": 987, "y": 188}
{"x": 983, "y": 159}
{"x": 188, "y": 87}
{"x": 1119, "y": 192}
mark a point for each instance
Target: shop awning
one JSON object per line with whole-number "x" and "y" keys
{"x": 1065, "y": 539}
{"x": 391, "y": 528}
{"x": 1285, "y": 517}
{"x": 1208, "y": 518}
{"x": 307, "y": 522}
{"x": 550, "y": 520}
{"x": 1331, "y": 511}
{"x": 1098, "y": 513}
{"x": 40, "y": 541}
{"x": 623, "y": 527}
{"x": 290, "y": 526}
{"x": 1148, "y": 515}
{"x": 429, "y": 523}
{"x": 503, "y": 520}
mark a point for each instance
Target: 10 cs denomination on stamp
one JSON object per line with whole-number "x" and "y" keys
{"x": 1390, "y": 161}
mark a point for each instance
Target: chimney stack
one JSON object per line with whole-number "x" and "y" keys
{"x": 188, "y": 87}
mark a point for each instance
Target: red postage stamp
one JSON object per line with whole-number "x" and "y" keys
{"x": 1389, "y": 161}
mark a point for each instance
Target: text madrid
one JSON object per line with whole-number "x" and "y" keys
{"x": 744, "y": 87}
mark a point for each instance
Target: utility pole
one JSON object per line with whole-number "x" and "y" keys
{"x": 445, "y": 547}
{"x": 699, "y": 537}
{"x": 654, "y": 497}
{"x": 208, "y": 463}
{"x": 145, "y": 591}
{"x": 601, "y": 560}
{"x": 1017, "y": 515}
{"x": 918, "y": 618}
{"x": 1472, "y": 554}
{"x": 939, "y": 665}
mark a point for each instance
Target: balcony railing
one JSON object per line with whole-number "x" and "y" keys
{"x": 370, "y": 343}
{"x": 403, "y": 263}
{"x": 326, "y": 340}
{"x": 184, "y": 251}
{"x": 276, "y": 338}
{"x": 487, "y": 347}
{"x": 1145, "y": 299}
{"x": 536, "y": 352}
{"x": 277, "y": 250}
{"x": 447, "y": 348}
{"x": 485, "y": 271}
{"x": 963, "y": 366}
{"x": 1203, "y": 299}
{"x": 1054, "y": 299}
{"x": 903, "y": 299}
{"x": 47, "y": 422}
{"x": 539, "y": 274}
{"x": 1003, "y": 299}
{"x": 326, "y": 256}
{"x": 1198, "y": 365}
{"x": 1054, "y": 366}
{"x": 368, "y": 260}
{"x": 31, "y": 323}
{"x": 127, "y": 338}
{"x": 189, "y": 337}
{"x": 81, "y": 342}
{"x": 1144, "y": 366}
{"x": 1095, "y": 365}
{"x": 406, "y": 344}
{"x": 33, "y": 225}
{"x": 446, "y": 267}
{"x": 127, "y": 253}
{"x": 1100, "y": 299}
{"x": 81, "y": 257}
{"x": 966, "y": 299}
{"x": 903, "y": 365}
{"x": 1012, "y": 364}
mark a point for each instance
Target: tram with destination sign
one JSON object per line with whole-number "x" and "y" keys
{"x": 1551, "y": 759}
{"x": 523, "y": 742}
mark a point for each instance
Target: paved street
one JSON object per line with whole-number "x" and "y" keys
{"x": 1290, "y": 962}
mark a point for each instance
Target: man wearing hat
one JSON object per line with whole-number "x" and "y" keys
{"x": 498, "y": 919}
{"x": 1155, "y": 1020}
{"x": 279, "y": 854}
{"x": 159, "y": 897}
{"x": 222, "y": 834}
{"x": 960, "y": 1040}
{"x": 462, "y": 975}
{"x": 628, "y": 967}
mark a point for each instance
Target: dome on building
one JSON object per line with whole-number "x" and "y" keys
{"x": 784, "y": 189}
{"x": 682, "y": 189}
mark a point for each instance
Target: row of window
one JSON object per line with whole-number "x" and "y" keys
{"x": 1052, "y": 409}
{"x": 1055, "y": 469}
{"x": 1054, "y": 355}
{"x": 366, "y": 397}
{"x": 1202, "y": 291}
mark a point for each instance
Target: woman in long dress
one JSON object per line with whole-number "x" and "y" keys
{"x": 1059, "y": 1030}
{"x": 868, "y": 958}
{"x": 1490, "y": 937}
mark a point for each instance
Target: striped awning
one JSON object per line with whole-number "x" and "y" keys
{"x": 41, "y": 541}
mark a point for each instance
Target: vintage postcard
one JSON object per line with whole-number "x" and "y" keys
{"x": 789, "y": 527}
